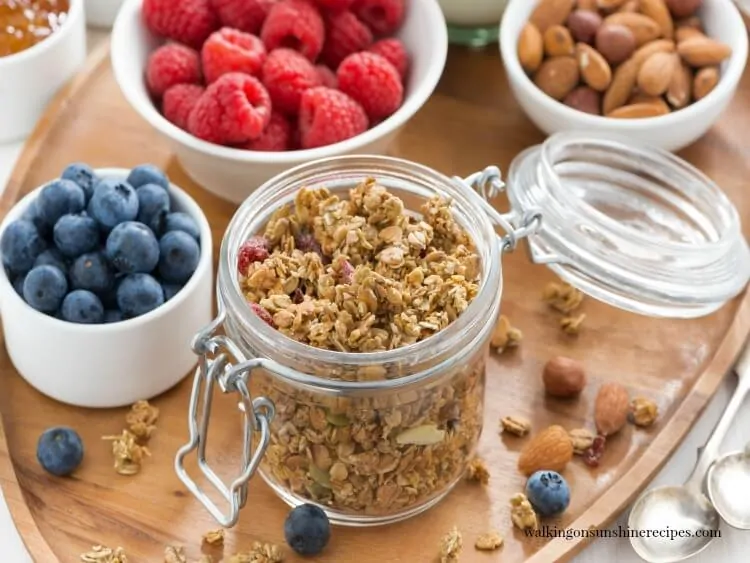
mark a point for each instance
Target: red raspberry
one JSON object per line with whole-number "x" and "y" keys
{"x": 383, "y": 17}
{"x": 286, "y": 74}
{"x": 229, "y": 50}
{"x": 254, "y": 249}
{"x": 294, "y": 24}
{"x": 245, "y": 15}
{"x": 328, "y": 116}
{"x": 263, "y": 314}
{"x": 186, "y": 21}
{"x": 234, "y": 109}
{"x": 334, "y": 5}
{"x": 172, "y": 64}
{"x": 345, "y": 35}
{"x": 327, "y": 77}
{"x": 179, "y": 101}
{"x": 373, "y": 82}
{"x": 394, "y": 52}
{"x": 276, "y": 137}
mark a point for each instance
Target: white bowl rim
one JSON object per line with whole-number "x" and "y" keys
{"x": 75, "y": 10}
{"x": 434, "y": 18}
{"x": 205, "y": 261}
{"x": 728, "y": 82}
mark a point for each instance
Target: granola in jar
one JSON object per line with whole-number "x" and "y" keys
{"x": 360, "y": 275}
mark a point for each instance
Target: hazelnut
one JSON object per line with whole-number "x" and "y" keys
{"x": 683, "y": 8}
{"x": 615, "y": 42}
{"x": 563, "y": 377}
{"x": 585, "y": 99}
{"x": 584, "y": 24}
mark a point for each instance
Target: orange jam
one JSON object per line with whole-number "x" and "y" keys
{"x": 24, "y": 23}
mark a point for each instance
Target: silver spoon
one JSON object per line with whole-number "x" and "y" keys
{"x": 728, "y": 482}
{"x": 660, "y": 516}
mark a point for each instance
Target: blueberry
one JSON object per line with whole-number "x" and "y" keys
{"x": 132, "y": 248}
{"x": 153, "y": 206}
{"x": 59, "y": 450}
{"x": 20, "y": 245}
{"x": 18, "y": 284}
{"x": 75, "y": 235}
{"x": 178, "y": 257}
{"x": 548, "y": 493}
{"x": 170, "y": 290}
{"x": 307, "y": 529}
{"x": 109, "y": 297}
{"x": 83, "y": 175}
{"x": 83, "y": 307}
{"x": 31, "y": 215}
{"x": 179, "y": 221}
{"x": 148, "y": 174}
{"x": 113, "y": 202}
{"x": 92, "y": 271}
{"x": 113, "y": 316}
{"x": 44, "y": 288}
{"x": 138, "y": 294}
{"x": 52, "y": 257}
{"x": 59, "y": 198}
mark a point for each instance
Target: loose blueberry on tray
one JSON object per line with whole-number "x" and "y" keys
{"x": 548, "y": 493}
{"x": 59, "y": 450}
{"x": 93, "y": 250}
{"x": 307, "y": 529}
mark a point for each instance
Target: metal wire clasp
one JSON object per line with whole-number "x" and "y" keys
{"x": 517, "y": 224}
{"x": 222, "y": 362}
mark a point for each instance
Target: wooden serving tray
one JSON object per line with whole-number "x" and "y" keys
{"x": 471, "y": 122}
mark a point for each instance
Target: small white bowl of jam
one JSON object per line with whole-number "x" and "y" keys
{"x": 42, "y": 45}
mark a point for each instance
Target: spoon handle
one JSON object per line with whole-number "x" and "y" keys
{"x": 709, "y": 452}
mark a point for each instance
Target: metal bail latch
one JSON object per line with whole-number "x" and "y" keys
{"x": 516, "y": 224}
{"x": 222, "y": 362}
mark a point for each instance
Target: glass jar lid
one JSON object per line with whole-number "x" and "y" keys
{"x": 633, "y": 226}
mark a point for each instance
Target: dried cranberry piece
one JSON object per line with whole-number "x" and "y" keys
{"x": 347, "y": 272}
{"x": 306, "y": 243}
{"x": 593, "y": 455}
{"x": 298, "y": 296}
{"x": 254, "y": 249}
{"x": 263, "y": 314}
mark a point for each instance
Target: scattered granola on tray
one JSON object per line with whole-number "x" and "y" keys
{"x": 522, "y": 513}
{"x": 101, "y": 554}
{"x": 214, "y": 537}
{"x": 360, "y": 273}
{"x": 127, "y": 452}
{"x": 141, "y": 419}
{"x": 562, "y": 297}
{"x": 505, "y": 336}
{"x": 174, "y": 555}
{"x": 489, "y": 541}
{"x": 516, "y": 425}
{"x": 477, "y": 471}
{"x": 643, "y": 412}
{"x": 582, "y": 440}
{"x": 450, "y": 546}
{"x": 258, "y": 553}
{"x": 572, "y": 325}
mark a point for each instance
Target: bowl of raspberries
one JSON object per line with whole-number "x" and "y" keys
{"x": 245, "y": 89}
{"x": 107, "y": 275}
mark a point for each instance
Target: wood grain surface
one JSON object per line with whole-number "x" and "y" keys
{"x": 472, "y": 121}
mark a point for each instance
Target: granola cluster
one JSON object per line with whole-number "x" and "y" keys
{"x": 361, "y": 274}
{"x": 129, "y": 448}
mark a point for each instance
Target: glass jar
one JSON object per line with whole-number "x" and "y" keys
{"x": 473, "y": 22}
{"x": 377, "y": 437}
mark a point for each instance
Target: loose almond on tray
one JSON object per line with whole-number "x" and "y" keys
{"x": 625, "y": 60}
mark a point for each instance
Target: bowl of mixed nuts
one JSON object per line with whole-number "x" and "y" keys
{"x": 656, "y": 71}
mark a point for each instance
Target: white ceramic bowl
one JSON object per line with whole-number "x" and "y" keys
{"x": 102, "y": 13}
{"x": 29, "y": 79}
{"x": 233, "y": 174}
{"x": 109, "y": 365}
{"x": 670, "y": 132}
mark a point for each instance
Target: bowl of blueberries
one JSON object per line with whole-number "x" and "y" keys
{"x": 107, "y": 275}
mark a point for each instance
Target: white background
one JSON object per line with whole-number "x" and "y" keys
{"x": 732, "y": 547}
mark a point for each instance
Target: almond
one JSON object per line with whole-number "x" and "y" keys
{"x": 611, "y": 407}
{"x": 551, "y": 12}
{"x": 683, "y": 33}
{"x": 658, "y": 11}
{"x": 558, "y": 41}
{"x": 703, "y": 51}
{"x": 680, "y": 88}
{"x": 644, "y": 28}
{"x": 641, "y": 98}
{"x": 530, "y": 48}
{"x": 705, "y": 80}
{"x": 563, "y": 377}
{"x": 609, "y": 5}
{"x": 623, "y": 82}
{"x": 557, "y": 76}
{"x": 594, "y": 68}
{"x": 629, "y": 6}
{"x": 656, "y": 73}
{"x": 657, "y": 46}
{"x": 638, "y": 111}
{"x": 551, "y": 449}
